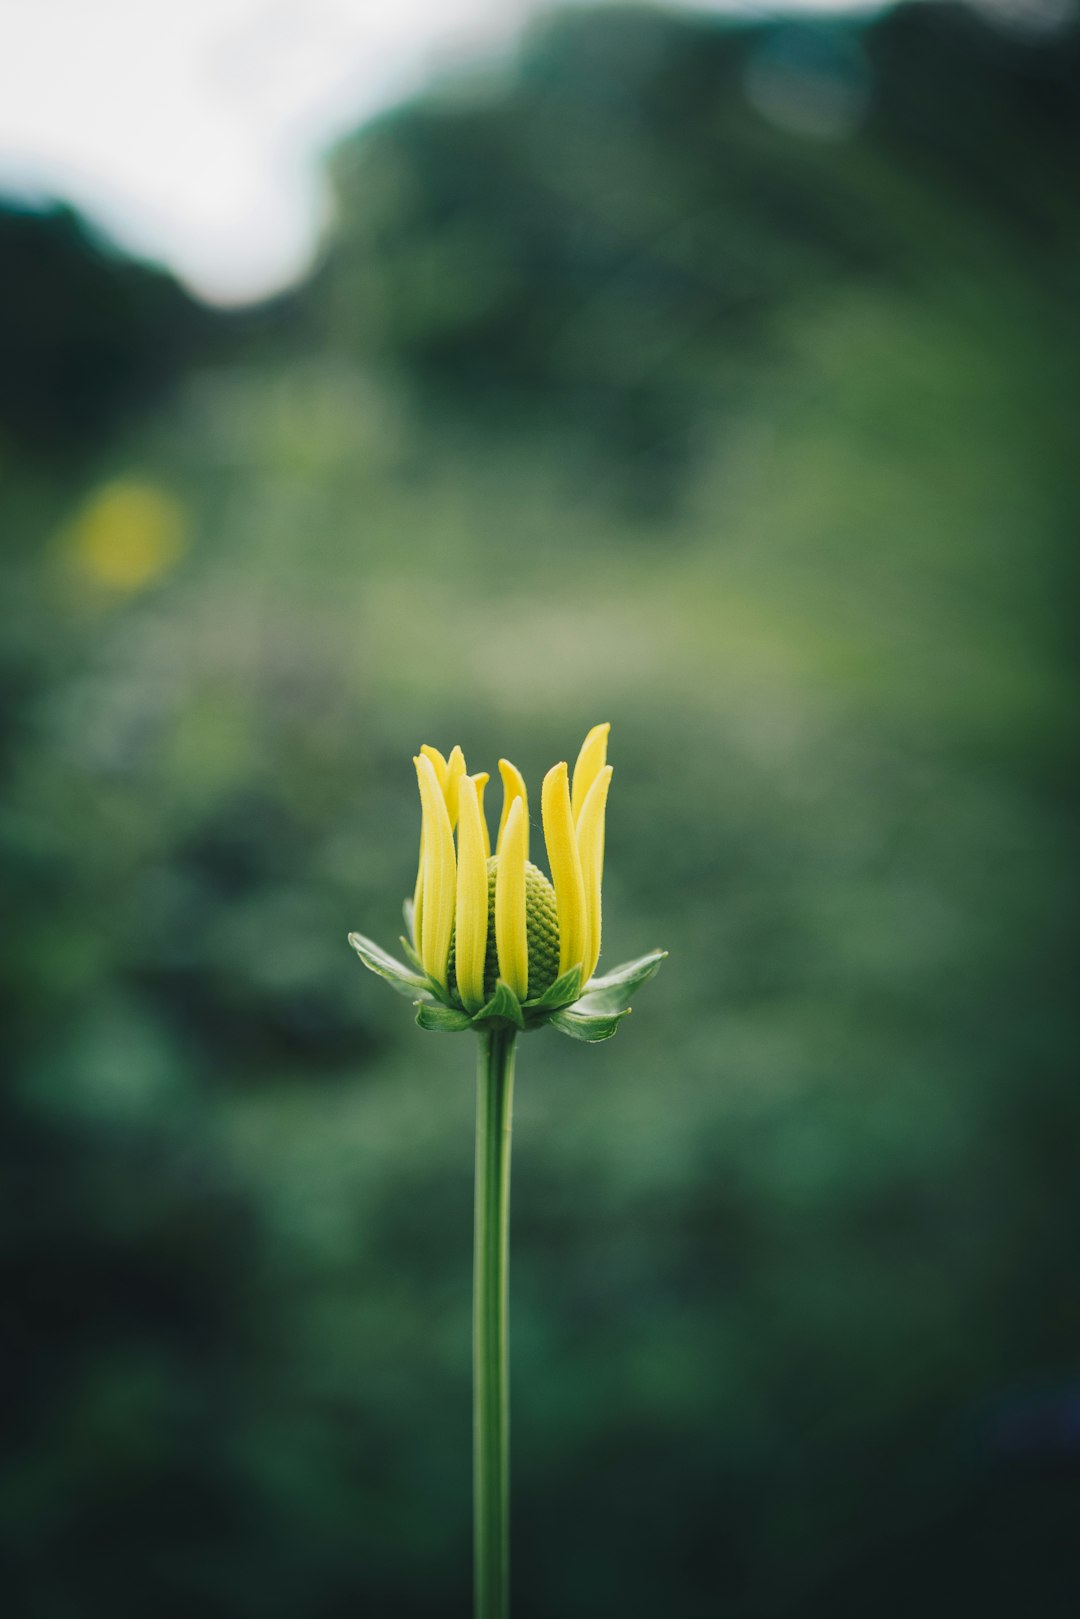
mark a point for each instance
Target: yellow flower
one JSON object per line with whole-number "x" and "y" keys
{"x": 495, "y": 943}
{"x": 499, "y": 947}
{"x": 478, "y": 918}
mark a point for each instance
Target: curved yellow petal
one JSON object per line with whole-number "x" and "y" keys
{"x": 481, "y": 781}
{"x": 439, "y": 884}
{"x": 438, "y": 764}
{"x": 565, "y": 863}
{"x": 511, "y": 933}
{"x": 590, "y": 762}
{"x": 513, "y": 788}
{"x": 455, "y": 769}
{"x": 590, "y": 840}
{"x": 471, "y": 915}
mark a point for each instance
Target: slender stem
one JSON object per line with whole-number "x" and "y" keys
{"x": 491, "y": 1383}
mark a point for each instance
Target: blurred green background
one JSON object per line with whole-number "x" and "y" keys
{"x": 718, "y": 380}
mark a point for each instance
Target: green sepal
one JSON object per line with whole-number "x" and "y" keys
{"x": 406, "y": 945}
{"x": 503, "y": 1004}
{"x": 397, "y": 975}
{"x": 560, "y": 993}
{"x": 582, "y": 1026}
{"x": 611, "y": 992}
{"x": 408, "y": 911}
{"x": 442, "y": 1019}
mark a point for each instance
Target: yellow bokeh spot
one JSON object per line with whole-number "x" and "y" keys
{"x": 128, "y": 534}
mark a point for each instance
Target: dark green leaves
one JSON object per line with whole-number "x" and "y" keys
{"x": 593, "y": 1016}
{"x": 441, "y": 1019}
{"x": 406, "y": 980}
{"x": 503, "y": 1004}
{"x": 560, "y": 993}
{"x": 596, "y": 1015}
{"x": 582, "y": 1026}
{"x": 612, "y": 992}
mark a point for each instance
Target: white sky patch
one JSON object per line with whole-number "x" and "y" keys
{"x": 191, "y": 130}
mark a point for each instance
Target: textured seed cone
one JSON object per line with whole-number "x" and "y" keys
{"x": 542, "y": 928}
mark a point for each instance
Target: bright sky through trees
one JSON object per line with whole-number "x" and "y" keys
{"x": 191, "y": 132}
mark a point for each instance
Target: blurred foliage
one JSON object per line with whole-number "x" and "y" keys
{"x": 84, "y": 336}
{"x": 719, "y": 381}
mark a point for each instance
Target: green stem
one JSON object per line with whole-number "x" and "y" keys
{"x": 491, "y": 1383}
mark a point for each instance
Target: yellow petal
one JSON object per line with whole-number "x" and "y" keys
{"x": 471, "y": 918}
{"x": 511, "y": 934}
{"x": 438, "y": 764}
{"x": 513, "y": 788}
{"x": 565, "y": 863}
{"x": 590, "y": 839}
{"x": 481, "y": 781}
{"x": 439, "y": 879}
{"x": 590, "y": 762}
{"x": 455, "y": 769}
{"x": 418, "y": 897}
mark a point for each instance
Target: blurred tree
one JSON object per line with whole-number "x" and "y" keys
{"x": 606, "y": 241}
{"x": 87, "y": 336}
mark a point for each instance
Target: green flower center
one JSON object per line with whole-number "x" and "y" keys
{"x": 541, "y": 927}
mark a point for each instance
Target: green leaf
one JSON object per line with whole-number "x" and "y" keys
{"x": 503, "y": 1004}
{"x": 612, "y": 991}
{"x": 441, "y": 1019}
{"x": 397, "y": 975}
{"x": 560, "y": 993}
{"x": 581, "y": 1026}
